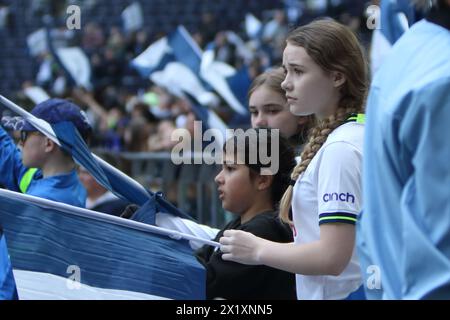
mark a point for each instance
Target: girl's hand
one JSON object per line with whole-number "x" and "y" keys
{"x": 240, "y": 246}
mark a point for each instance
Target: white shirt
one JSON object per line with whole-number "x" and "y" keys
{"x": 330, "y": 191}
{"x": 107, "y": 196}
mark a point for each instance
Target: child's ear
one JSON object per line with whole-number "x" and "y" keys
{"x": 264, "y": 182}
{"x": 49, "y": 145}
{"x": 338, "y": 79}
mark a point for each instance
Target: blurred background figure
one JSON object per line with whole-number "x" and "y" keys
{"x": 100, "y": 199}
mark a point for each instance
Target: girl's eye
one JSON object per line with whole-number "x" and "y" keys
{"x": 253, "y": 112}
{"x": 298, "y": 71}
{"x": 228, "y": 167}
{"x": 273, "y": 111}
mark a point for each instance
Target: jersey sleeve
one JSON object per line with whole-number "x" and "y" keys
{"x": 339, "y": 186}
{"x": 11, "y": 167}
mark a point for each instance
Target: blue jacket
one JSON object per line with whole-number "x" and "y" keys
{"x": 15, "y": 176}
{"x": 8, "y": 289}
{"x": 403, "y": 233}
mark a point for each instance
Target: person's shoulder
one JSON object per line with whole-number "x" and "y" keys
{"x": 348, "y": 135}
{"x": 420, "y": 57}
{"x": 263, "y": 218}
{"x": 269, "y": 226}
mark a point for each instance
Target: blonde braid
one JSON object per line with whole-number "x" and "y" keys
{"x": 318, "y": 136}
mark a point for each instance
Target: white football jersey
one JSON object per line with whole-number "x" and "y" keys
{"x": 330, "y": 191}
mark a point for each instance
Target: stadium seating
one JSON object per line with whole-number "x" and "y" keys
{"x": 16, "y": 66}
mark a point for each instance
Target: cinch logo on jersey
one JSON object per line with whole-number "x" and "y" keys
{"x": 344, "y": 197}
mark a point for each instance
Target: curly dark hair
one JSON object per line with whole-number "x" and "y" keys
{"x": 247, "y": 146}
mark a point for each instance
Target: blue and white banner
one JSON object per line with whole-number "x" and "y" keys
{"x": 72, "y": 60}
{"x": 181, "y": 77}
{"x": 75, "y": 62}
{"x": 180, "y": 48}
{"x": 177, "y": 79}
{"x": 181, "y": 82}
{"x": 154, "y": 58}
{"x": 63, "y": 252}
{"x": 232, "y": 85}
{"x": 176, "y": 47}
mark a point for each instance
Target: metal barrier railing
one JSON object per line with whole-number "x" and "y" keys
{"x": 190, "y": 185}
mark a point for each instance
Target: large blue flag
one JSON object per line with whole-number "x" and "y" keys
{"x": 63, "y": 252}
{"x": 66, "y": 135}
{"x": 155, "y": 206}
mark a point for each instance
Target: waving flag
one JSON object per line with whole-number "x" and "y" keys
{"x": 63, "y": 252}
{"x": 66, "y": 136}
{"x": 179, "y": 47}
{"x": 178, "y": 78}
{"x": 72, "y": 60}
{"x": 229, "y": 83}
{"x": 154, "y": 58}
{"x": 75, "y": 63}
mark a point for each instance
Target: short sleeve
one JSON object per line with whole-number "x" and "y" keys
{"x": 339, "y": 184}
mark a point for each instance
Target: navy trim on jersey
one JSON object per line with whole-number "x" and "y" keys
{"x": 340, "y": 217}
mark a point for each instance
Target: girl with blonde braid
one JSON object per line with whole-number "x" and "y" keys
{"x": 325, "y": 76}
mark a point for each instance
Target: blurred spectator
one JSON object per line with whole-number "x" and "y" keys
{"x": 100, "y": 199}
{"x": 93, "y": 38}
{"x": 224, "y": 51}
{"x": 276, "y": 28}
{"x": 137, "y": 134}
{"x": 162, "y": 141}
{"x": 208, "y": 27}
{"x": 116, "y": 43}
{"x": 198, "y": 38}
{"x": 138, "y": 43}
{"x": 5, "y": 16}
{"x": 274, "y": 36}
